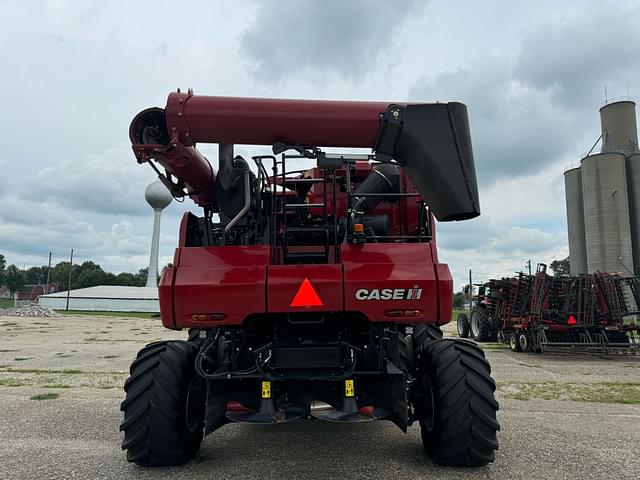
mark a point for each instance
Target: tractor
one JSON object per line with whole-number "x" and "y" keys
{"x": 481, "y": 324}
{"x": 309, "y": 293}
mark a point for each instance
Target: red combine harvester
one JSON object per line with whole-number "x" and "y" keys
{"x": 312, "y": 293}
{"x": 591, "y": 313}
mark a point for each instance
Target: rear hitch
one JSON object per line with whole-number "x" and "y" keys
{"x": 349, "y": 411}
{"x": 267, "y": 412}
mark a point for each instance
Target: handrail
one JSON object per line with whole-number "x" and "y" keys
{"x": 245, "y": 207}
{"x": 619, "y": 98}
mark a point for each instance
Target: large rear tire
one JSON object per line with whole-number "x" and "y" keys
{"x": 423, "y": 334}
{"x": 480, "y": 324}
{"x": 457, "y": 409}
{"x": 164, "y": 405}
{"x": 463, "y": 325}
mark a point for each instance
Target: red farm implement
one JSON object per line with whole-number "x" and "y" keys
{"x": 592, "y": 313}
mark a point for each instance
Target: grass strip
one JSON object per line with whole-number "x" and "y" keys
{"x": 604, "y": 392}
{"x": 44, "y": 396}
{"x": 102, "y": 313}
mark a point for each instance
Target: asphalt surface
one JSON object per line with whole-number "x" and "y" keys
{"x": 84, "y": 361}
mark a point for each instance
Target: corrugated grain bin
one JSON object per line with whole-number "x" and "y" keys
{"x": 633, "y": 176}
{"x": 606, "y": 213}
{"x": 575, "y": 221}
{"x": 619, "y": 129}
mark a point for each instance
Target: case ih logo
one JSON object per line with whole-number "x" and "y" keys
{"x": 389, "y": 293}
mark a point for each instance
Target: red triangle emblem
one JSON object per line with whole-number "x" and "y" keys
{"x": 306, "y": 296}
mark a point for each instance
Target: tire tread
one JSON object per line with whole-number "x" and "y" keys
{"x": 465, "y": 424}
{"x": 154, "y": 425}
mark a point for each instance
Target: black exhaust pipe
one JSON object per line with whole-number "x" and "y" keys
{"x": 383, "y": 179}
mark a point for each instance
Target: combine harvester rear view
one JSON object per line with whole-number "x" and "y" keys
{"x": 588, "y": 313}
{"x": 312, "y": 293}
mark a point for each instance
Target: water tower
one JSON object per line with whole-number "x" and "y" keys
{"x": 159, "y": 198}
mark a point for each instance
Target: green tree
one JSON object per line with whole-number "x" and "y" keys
{"x": 14, "y": 279}
{"x": 3, "y": 265}
{"x": 88, "y": 274}
{"x": 60, "y": 274}
{"x": 127, "y": 279}
{"x": 35, "y": 275}
{"x": 560, "y": 267}
{"x": 111, "y": 279}
{"x": 83, "y": 278}
{"x": 459, "y": 299}
{"x": 141, "y": 277}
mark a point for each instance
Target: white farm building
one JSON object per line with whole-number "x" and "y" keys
{"x": 105, "y": 298}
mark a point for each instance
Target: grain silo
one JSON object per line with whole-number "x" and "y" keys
{"x": 633, "y": 181}
{"x": 605, "y": 192}
{"x": 619, "y": 128}
{"x": 606, "y": 213}
{"x": 575, "y": 221}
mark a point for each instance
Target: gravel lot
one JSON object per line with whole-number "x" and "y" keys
{"x": 84, "y": 360}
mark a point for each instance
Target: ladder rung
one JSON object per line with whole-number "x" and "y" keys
{"x": 306, "y": 229}
{"x": 305, "y": 255}
{"x": 304, "y": 180}
{"x": 305, "y": 205}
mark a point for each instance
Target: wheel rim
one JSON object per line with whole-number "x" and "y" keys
{"x": 194, "y": 405}
{"x": 475, "y": 325}
{"x": 523, "y": 342}
{"x": 513, "y": 342}
{"x": 500, "y": 337}
{"x": 460, "y": 327}
{"x": 429, "y": 408}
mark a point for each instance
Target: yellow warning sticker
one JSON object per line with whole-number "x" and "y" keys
{"x": 349, "y": 388}
{"x": 266, "y": 389}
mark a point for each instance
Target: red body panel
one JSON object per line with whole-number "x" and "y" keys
{"x": 284, "y": 281}
{"x": 265, "y": 121}
{"x": 445, "y": 292}
{"x": 165, "y": 296}
{"x": 212, "y": 280}
{"x": 234, "y": 282}
{"x": 392, "y": 267}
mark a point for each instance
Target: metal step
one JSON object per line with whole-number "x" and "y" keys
{"x": 303, "y": 180}
{"x": 305, "y": 254}
{"x": 305, "y": 205}
{"x": 307, "y": 229}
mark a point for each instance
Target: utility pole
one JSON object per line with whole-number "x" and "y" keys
{"x": 69, "y": 283}
{"x": 46, "y": 290}
{"x": 470, "y": 290}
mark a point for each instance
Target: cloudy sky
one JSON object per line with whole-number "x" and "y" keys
{"x": 73, "y": 74}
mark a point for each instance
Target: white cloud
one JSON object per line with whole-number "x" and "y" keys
{"x": 111, "y": 183}
{"x": 493, "y": 249}
{"x": 537, "y": 198}
{"x": 348, "y": 39}
{"x": 79, "y": 72}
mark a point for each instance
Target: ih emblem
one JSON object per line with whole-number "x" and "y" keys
{"x": 306, "y": 296}
{"x": 389, "y": 293}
